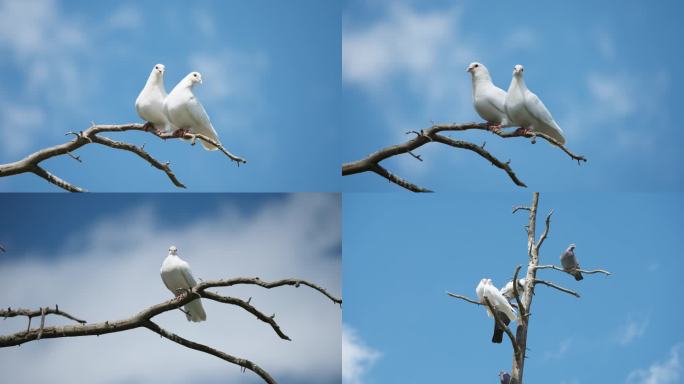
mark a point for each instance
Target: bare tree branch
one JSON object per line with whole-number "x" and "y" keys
{"x": 552, "y": 285}
{"x": 546, "y": 230}
{"x": 203, "y": 348}
{"x": 9, "y": 312}
{"x": 30, "y": 164}
{"x": 464, "y": 298}
{"x": 371, "y": 162}
{"x": 503, "y": 326}
{"x": 587, "y": 271}
{"x": 143, "y": 319}
{"x": 521, "y": 307}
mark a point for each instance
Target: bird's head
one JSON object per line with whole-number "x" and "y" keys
{"x": 477, "y": 70}
{"x": 195, "y": 78}
{"x": 173, "y": 250}
{"x": 518, "y": 70}
{"x": 159, "y": 68}
{"x": 572, "y": 247}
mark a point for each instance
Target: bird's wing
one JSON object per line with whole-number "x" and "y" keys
{"x": 499, "y": 302}
{"x": 538, "y": 110}
{"x": 187, "y": 276}
{"x": 202, "y": 123}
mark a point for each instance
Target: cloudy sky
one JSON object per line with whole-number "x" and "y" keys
{"x": 401, "y": 254}
{"x": 271, "y": 87}
{"x": 608, "y": 74}
{"x": 98, "y": 257}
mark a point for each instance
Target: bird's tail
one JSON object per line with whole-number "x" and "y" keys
{"x": 578, "y": 276}
{"x": 208, "y": 146}
{"x": 194, "y": 311}
{"x": 497, "y": 337}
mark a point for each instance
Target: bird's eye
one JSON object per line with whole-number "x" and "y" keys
{"x": 477, "y": 65}
{"x": 156, "y": 67}
{"x": 195, "y": 75}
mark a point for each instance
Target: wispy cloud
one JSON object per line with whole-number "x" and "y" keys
{"x": 422, "y": 52}
{"x": 632, "y": 329}
{"x": 521, "y": 39}
{"x": 21, "y": 123}
{"x": 204, "y": 22}
{"x": 357, "y": 357}
{"x": 558, "y": 353}
{"x": 111, "y": 271}
{"x": 660, "y": 372}
{"x": 126, "y": 17}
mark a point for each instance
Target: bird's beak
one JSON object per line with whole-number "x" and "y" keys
{"x": 469, "y": 69}
{"x": 200, "y": 80}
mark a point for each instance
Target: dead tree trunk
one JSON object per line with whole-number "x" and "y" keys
{"x": 519, "y": 341}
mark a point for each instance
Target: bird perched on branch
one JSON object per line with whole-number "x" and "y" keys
{"x": 176, "y": 275}
{"x": 524, "y": 108}
{"x": 504, "y": 310}
{"x": 569, "y": 262}
{"x": 507, "y": 290}
{"x": 150, "y": 101}
{"x": 488, "y": 99}
{"x": 504, "y": 377}
{"x": 187, "y": 114}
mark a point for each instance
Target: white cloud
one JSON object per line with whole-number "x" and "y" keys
{"x": 126, "y": 17}
{"x": 232, "y": 85}
{"x": 357, "y": 357}
{"x": 666, "y": 372}
{"x": 21, "y": 123}
{"x": 204, "y": 21}
{"x": 405, "y": 41}
{"x": 557, "y": 354}
{"x": 42, "y": 40}
{"x": 111, "y": 271}
{"x": 632, "y": 330}
{"x": 614, "y": 93}
{"x": 520, "y": 39}
{"x": 422, "y": 52}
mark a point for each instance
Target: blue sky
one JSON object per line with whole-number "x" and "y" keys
{"x": 401, "y": 254}
{"x": 98, "y": 257}
{"x": 609, "y": 75}
{"x": 271, "y": 75}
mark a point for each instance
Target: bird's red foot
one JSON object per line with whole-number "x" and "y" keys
{"x": 522, "y": 131}
{"x": 493, "y": 127}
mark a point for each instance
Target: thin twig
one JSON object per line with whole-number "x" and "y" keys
{"x": 546, "y": 230}
{"x": 552, "y": 285}
{"x": 463, "y": 298}
{"x": 587, "y": 271}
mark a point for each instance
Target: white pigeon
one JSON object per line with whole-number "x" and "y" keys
{"x": 186, "y": 113}
{"x": 176, "y": 275}
{"x": 507, "y": 290}
{"x": 488, "y": 99}
{"x": 150, "y": 101}
{"x": 526, "y": 110}
{"x": 497, "y": 300}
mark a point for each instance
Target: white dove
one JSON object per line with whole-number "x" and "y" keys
{"x": 525, "y": 109}
{"x": 498, "y": 301}
{"x": 176, "y": 275}
{"x": 186, "y": 113}
{"x": 505, "y": 312}
{"x": 507, "y": 290}
{"x": 488, "y": 99}
{"x": 150, "y": 101}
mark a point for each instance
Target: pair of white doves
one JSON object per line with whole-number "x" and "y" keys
{"x": 179, "y": 112}
{"x": 518, "y": 107}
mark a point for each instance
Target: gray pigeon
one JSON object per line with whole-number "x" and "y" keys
{"x": 569, "y": 262}
{"x": 505, "y": 377}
